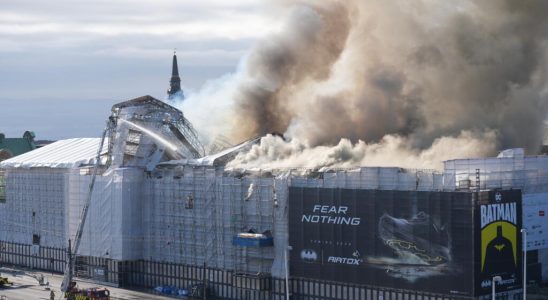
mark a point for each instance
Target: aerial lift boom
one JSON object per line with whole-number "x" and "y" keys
{"x": 66, "y": 285}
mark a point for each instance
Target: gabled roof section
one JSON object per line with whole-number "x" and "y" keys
{"x": 70, "y": 153}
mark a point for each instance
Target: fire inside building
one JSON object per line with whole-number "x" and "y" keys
{"x": 160, "y": 211}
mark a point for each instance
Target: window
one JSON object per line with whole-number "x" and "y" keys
{"x": 2, "y": 187}
{"x": 189, "y": 202}
{"x": 36, "y": 239}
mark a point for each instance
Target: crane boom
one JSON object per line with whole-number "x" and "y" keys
{"x": 67, "y": 278}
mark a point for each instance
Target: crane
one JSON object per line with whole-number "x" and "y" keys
{"x": 67, "y": 283}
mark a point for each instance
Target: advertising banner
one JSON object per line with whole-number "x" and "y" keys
{"x": 401, "y": 239}
{"x": 499, "y": 245}
{"x": 535, "y": 220}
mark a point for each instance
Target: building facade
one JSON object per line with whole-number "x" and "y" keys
{"x": 174, "y": 220}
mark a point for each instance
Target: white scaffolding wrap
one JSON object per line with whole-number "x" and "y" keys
{"x": 34, "y": 209}
{"x": 113, "y": 226}
{"x": 528, "y": 173}
{"x": 194, "y": 212}
{"x": 189, "y": 214}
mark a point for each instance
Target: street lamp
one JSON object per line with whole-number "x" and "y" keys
{"x": 524, "y": 233}
{"x": 286, "y": 258}
{"x": 493, "y": 282}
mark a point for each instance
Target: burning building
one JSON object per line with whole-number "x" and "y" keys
{"x": 163, "y": 213}
{"x": 428, "y": 84}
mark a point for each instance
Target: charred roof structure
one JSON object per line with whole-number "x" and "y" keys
{"x": 144, "y": 131}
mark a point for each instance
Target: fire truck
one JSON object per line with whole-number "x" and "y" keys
{"x": 75, "y": 293}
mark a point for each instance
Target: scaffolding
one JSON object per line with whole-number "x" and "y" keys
{"x": 146, "y": 130}
{"x": 113, "y": 229}
{"x": 188, "y": 215}
{"x": 378, "y": 178}
{"x": 195, "y": 212}
{"x": 528, "y": 173}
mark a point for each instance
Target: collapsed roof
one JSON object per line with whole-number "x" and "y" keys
{"x": 145, "y": 131}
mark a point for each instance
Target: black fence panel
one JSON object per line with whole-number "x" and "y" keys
{"x": 33, "y": 256}
{"x": 221, "y": 284}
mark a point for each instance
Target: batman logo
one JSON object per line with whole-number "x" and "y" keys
{"x": 309, "y": 255}
{"x": 499, "y": 247}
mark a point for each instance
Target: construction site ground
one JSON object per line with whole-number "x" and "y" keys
{"x": 26, "y": 287}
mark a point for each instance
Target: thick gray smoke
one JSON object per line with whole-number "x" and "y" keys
{"x": 400, "y": 74}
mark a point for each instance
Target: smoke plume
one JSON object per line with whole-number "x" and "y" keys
{"x": 274, "y": 153}
{"x": 399, "y": 81}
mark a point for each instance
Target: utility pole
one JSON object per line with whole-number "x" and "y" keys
{"x": 205, "y": 281}
{"x": 524, "y": 236}
{"x": 286, "y": 262}
{"x": 69, "y": 254}
{"x": 493, "y": 283}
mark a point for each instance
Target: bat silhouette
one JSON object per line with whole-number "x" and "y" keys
{"x": 499, "y": 247}
{"x": 309, "y": 255}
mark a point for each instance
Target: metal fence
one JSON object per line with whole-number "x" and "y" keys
{"x": 33, "y": 256}
{"x": 222, "y": 284}
{"x": 225, "y": 284}
{"x": 303, "y": 288}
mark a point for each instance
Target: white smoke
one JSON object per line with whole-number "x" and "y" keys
{"x": 211, "y": 109}
{"x": 392, "y": 151}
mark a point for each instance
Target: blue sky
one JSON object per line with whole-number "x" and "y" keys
{"x": 64, "y": 63}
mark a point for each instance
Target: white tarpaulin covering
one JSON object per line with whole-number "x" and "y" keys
{"x": 34, "y": 207}
{"x": 189, "y": 214}
{"x": 70, "y": 153}
{"x": 113, "y": 225}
